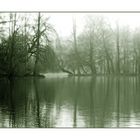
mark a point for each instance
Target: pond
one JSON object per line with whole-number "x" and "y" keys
{"x": 90, "y": 102}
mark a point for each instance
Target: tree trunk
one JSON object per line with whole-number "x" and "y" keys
{"x": 118, "y": 51}
{"x": 75, "y": 47}
{"x": 12, "y": 45}
{"x": 92, "y": 62}
{"x": 36, "y": 72}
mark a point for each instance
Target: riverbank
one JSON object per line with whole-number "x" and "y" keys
{"x": 61, "y": 74}
{"x": 22, "y": 76}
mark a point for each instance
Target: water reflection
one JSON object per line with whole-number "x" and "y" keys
{"x": 102, "y": 101}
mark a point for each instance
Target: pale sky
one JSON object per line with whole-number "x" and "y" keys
{"x": 63, "y": 21}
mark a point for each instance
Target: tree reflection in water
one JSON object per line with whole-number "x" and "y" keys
{"x": 102, "y": 101}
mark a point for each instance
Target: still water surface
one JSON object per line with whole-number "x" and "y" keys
{"x": 70, "y": 102}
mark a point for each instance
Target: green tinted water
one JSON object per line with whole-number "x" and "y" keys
{"x": 70, "y": 102}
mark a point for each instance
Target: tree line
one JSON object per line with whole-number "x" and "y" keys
{"x": 103, "y": 49}
{"x": 30, "y": 47}
{"x": 25, "y": 47}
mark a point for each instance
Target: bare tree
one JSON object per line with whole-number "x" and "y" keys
{"x": 118, "y": 49}
{"x": 75, "y": 46}
{"x": 35, "y": 72}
